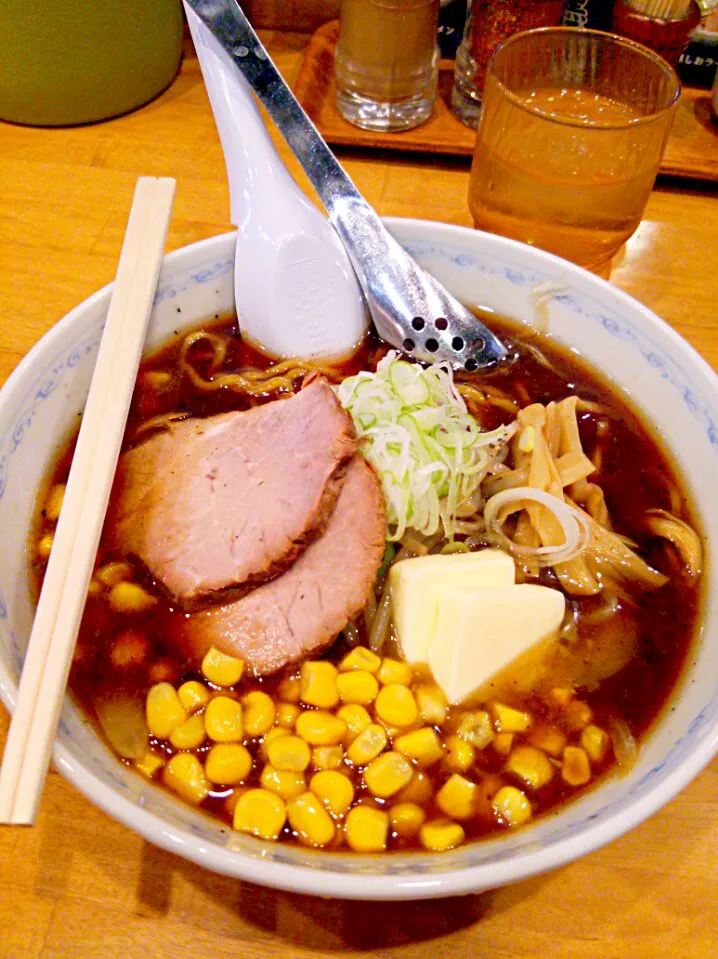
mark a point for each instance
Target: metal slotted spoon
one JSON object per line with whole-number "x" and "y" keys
{"x": 410, "y": 309}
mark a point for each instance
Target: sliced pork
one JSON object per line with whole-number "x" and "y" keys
{"x": 232, "y": 500}
{"x": 303, "y": 610}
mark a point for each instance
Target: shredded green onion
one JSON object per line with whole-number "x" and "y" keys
{"x": 428, "y": 451}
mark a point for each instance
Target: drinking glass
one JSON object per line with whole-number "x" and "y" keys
{"x": 572, "y": 130}
{"x": 387, "y": 62}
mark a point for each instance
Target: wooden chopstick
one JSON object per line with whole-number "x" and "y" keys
{"x": 59, "y": 611}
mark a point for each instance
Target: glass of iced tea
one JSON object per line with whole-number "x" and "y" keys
{"x": 386, "y": 62}
{"x": 572, "y": 130}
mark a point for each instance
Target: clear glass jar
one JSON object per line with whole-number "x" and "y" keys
{"x": 387, "y": 62}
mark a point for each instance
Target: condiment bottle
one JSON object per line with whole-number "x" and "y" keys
{"x": 488, "y": 22}
{"x": 663, "y": 25}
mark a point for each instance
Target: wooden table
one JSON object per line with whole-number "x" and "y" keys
{"x": 81, "y": 885}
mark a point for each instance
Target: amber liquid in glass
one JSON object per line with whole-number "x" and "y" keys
{"x": 567, "y": 170}
{"x": 386, "y": 62}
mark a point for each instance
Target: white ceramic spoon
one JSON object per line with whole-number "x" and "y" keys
{"x": 295, "y": 290}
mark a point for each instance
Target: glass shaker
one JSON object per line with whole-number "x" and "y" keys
{"x": 488, "y": 22}
{"x": 387, "y": 62}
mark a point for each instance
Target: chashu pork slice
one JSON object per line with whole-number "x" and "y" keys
{"x": 231, "y": 500}
{"x": 304, "y": 609}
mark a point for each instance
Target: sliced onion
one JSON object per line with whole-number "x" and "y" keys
{"x": 624, "y": 743}
{"x": 575, "y": 526}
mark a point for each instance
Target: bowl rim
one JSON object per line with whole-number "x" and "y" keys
{"x": 334, "y": 883}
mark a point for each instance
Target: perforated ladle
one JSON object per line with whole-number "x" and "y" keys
{"x": 410, "y": 309}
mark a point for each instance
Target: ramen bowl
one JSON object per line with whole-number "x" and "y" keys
{"x": 647, "y": 362}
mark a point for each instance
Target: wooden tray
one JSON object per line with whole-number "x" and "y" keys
{"x": 691, "y": 151}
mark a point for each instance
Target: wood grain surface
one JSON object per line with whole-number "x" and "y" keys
{"x": 691, "y": 151}
{"x": 80, "y": 885}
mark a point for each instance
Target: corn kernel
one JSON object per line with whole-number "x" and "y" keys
{"x": 223, "y": 720}
{"x": 289, "y": 753}
{"x": 512, "y": 806}
{"x": 113, "y": 573}
{"x": 157, "y": 380}
{"x": 357, "y": 686}
{"x": 258, "y": 712}
{"x": 502, "y": 743}
{"x": 271, "y": 734}
{"x": 130, "y": 598}
{"x": 531, "y": 765}
{"x": 548, "y": 738}
{"x": 459, "y": 755}
{"x": 396, "y": 705}
{"x": 319, "y": 684}
{"x": 163, "y": 710}
{"x": 387, "y": 774}
{"x": 320, "y": 728}
{"x": 260, "y": 813}
{"x": 289, "y": 690}
{"x": 334, "y": 789}
{"x": 44, "y": 547}
{"x": 578, "y": 714}
{"x": 432, "y": 703}
{"x": 457, "y": 797}
{"x": 129, "y": 649}
{"x": 189, "y": 734}
{"x": 406, "y": 819}
{"x": 286, "y": 715}
{"x": 149, "y": 764}
{"x": 367, "y": 745}
{"x": 94, "y": 587}
{"x": 53, "y": 504}
{"x": 228, "y": 764}
{"x": 310, "y": 821}
{"x": 193, "y": 696}
{"x": 184, "y": 774}
{"x": 282, "y": 782}
{"x": 361, "y": 658}
{"x": 595, "y": 742}
{"x": 575, "y": 769}
{"x": 366, "y": 829}
{"x": 221, "y": 669}
{"x": 394, "y": 671}
{"x": 509, "y": 720}
{"x": 561, "y": 695}
{"x": 421, "y": 745}
{"x": 418, "y": 791}
{"x": 327, "y": 757}
{"x": 439, "y": 835}
{"x": 475, "y": 727}
{"x": 356, "y": 718}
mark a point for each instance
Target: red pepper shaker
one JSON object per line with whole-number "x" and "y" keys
{"x": 488, "y": 22}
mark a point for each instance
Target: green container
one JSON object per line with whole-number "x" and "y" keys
{"x": 76, "y": 61}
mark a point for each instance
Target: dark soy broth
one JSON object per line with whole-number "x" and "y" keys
{"x": 634, "y": 473}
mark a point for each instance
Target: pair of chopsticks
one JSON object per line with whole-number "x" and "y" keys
{"x": 59, "y": 611}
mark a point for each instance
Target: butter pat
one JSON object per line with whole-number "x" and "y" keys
{"x": 417, "y": 585}
{"x": 480, "y": 632}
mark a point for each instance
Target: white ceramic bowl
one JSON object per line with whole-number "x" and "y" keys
{"x": 646, "y": 360}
